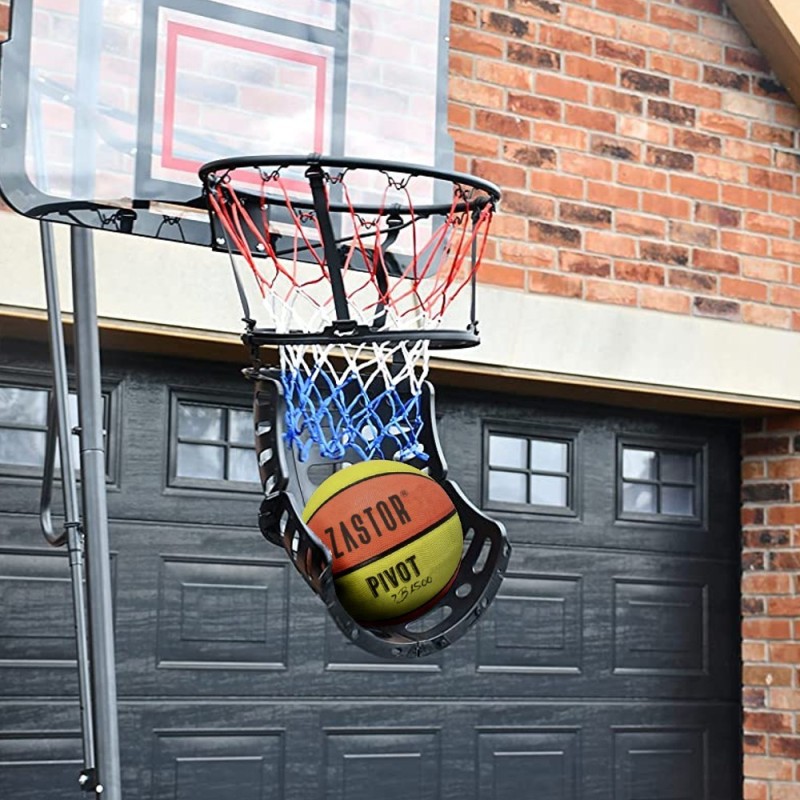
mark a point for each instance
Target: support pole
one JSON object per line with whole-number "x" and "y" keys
{"x": 60, "y": 429}
{"x": 95, "y": 513}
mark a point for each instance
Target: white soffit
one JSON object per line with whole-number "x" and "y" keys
{"x": 176, "y": 288}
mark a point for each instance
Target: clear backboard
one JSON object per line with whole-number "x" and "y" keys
{"x": 108, "y": 108}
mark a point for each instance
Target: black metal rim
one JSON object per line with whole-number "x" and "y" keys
{"x": 208, "y": 173}
{"x": 439, "y": 339}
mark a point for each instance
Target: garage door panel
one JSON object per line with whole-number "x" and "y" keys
{"x": 610, "y": 626}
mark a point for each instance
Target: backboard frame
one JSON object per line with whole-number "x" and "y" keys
{"x": 160, "y": 208}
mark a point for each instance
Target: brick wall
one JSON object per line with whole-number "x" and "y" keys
{"x": 771, "y": 609}
{"x": 648, "y": 158}
{"x": 646, "y": 154}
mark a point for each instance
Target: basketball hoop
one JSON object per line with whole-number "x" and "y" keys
{"x": 358, "y": 264}
{"x": 362, "y": 268}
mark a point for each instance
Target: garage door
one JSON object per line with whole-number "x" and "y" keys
{"x": 608, "y": 666}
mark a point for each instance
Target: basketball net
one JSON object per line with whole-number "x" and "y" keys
{"x": 354, "y": 288}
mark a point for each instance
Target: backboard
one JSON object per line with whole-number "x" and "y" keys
{"x": 108, "y": 108}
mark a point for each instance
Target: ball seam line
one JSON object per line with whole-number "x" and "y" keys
{"x": 398, "y": 546}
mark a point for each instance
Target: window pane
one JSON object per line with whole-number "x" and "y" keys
{"x": 639, "y": 498}
{"x": 242, "y": 429}
{"x": 677, "y": 501}
{"x": 548, "y": 456}
{"x": 199, "y": 422}
{"x": 547, "y": 490}
{"x": 507, "y": 487}
{"x": 22, "y": 448}
{"x": 23, "y": 406}
{"x": 243, "y": 465}
{"x": 638, "y": 464}
{"x": 677, "y": 467}
{"x": 201, "y": 461}
{"x": 506, "y": 451}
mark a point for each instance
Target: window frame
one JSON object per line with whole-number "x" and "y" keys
{"x": 226, "y": 402}
{"x": 111, "y": 426}
{"x": 660, "y": 445}
{"x": 568, "y": 436}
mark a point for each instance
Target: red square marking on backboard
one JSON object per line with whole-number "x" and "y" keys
{"x": 175, "y": 30}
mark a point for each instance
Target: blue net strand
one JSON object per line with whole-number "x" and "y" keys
{"x": 345, "y": 416}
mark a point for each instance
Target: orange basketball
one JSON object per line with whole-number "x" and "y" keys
{"x": 394, "y": 535}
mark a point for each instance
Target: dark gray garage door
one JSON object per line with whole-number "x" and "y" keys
{"x": 607, "y": 668}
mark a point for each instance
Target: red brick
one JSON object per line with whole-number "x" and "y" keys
{"x": 722, "y": 123}
{"x": 592, "y": 119}
{"x": 561, "y": 39}
{"x": 508, "y": 75}
{"x": 693, "y": 281}
{"x": 788, "y": 251}
{"x": 767, "y": 721}
{"x": 785, "y": 296}
{"x": 625, "y": 222}
{"x": 672, "y": 18}
{"x": 644, "y": 177}
{"x": 644, "y": 130}
{"x": 720, "y": 169}
{"x": 767, "y": 676}
{"x": 743, "y": 290}
{"x": 611, "y": 244}
{"x": 785, "y": 468}
{"x": 586, "y": 166}
{"x": 565, "y": 137}
{"x": 504, "y": 174}
{"x": 694, "y": 187}
{"x": 766, "y": 629}
{"x": 582, "y": 264}
{"x": 622, "y": 52}
{"x": 754, "y": 651}
{"x": 610, "y": 195}
{"x": 718, "y": 262}
{"x": 639, "y": 273}
{"x": 500, "y": 275}
{"x": 608, "y": 292}
{"x": 504, "y": 125}
{"x": 532, "y": 106}
{"x": 700, "y": 235}
{"x": 523, "y": 254}
{"x": 562, "y": 88}
{"x": 664, "y": 300}
{"x": 755, "y": 790}
{"x": 780, "y": 769}
{"x": 478, "y": 144}
{"x": 785, "y": 746}
{"x": 663, "y": 205}
{"x": 603, "y": 97}
{"x": 742, "y": 196}
{"x": 582, "y": 18}
{"x": 766, "y": 583}
{"x": 765, "y": 315}
{"x": 625, "y": 8}
{"x": 479, "y": 44}
{"x": 549, "y": 283}
{"x": 678, "y": 67}
{"x": 651, "y": 36}
{"x": 696, "y": 47}
{"x": 754, "y": 743}
{"x": 743, "y": 243}
{"x": 478, "y": 94}
{"x": 770, "y": 179}
{"x": 747, "y": 151}
{"x": 766, "y": 223}
{"x": 788, "y": 560}
{"x": 590, "y": 69}
{"x": 553, "y": 183}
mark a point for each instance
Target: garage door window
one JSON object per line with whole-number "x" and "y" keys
{"x": 660, "y": 483}
{"x": 23, "y": 429}
{"x": 212, "y": 446}
{"x": 530, "y": 473}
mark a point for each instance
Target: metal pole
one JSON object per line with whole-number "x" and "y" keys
{"x": 95, "y": 513}
{"x": 74, "y": 534}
